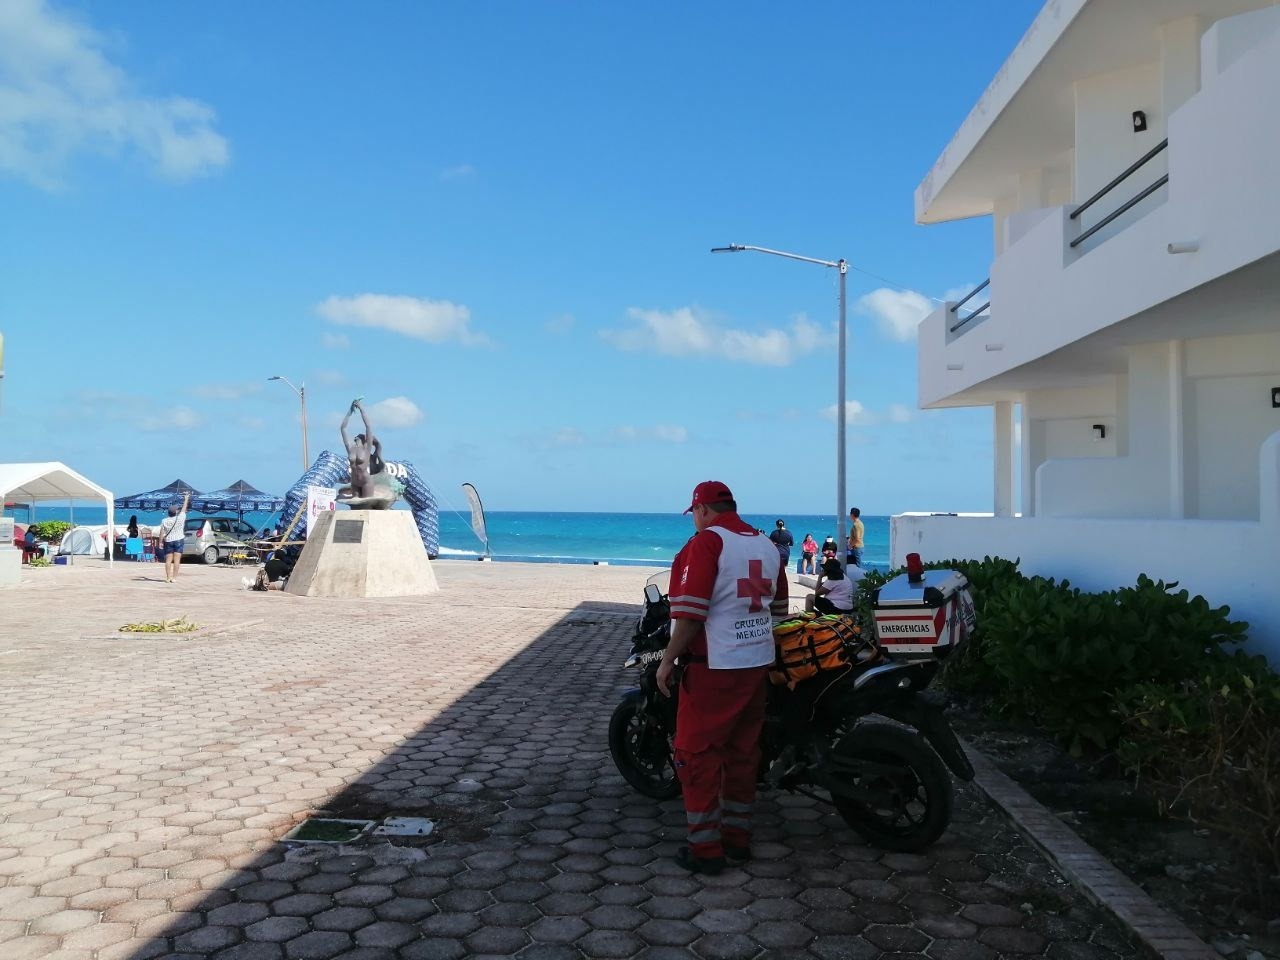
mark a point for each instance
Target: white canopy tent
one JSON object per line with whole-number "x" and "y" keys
{"x": 33, "y": 482}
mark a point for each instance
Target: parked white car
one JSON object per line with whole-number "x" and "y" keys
{"x": 216, "y": 538}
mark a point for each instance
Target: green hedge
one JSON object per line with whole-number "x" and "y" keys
{"x": 1149, "y": 672}
{"x": 51, "y": 531}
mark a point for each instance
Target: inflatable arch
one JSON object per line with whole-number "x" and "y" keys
{"x": 331, "y": 470}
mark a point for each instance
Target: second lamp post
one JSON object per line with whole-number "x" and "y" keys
{"x": 843, "y": 266}
{"x": 302, "y": 399}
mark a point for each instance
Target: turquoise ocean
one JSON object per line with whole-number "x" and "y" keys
{"x": 558, "y": 537}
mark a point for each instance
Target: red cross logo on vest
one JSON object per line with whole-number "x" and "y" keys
{"x": 754, "y": 585}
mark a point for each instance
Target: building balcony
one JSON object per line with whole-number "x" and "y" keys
{"x": 1191, "y": 226}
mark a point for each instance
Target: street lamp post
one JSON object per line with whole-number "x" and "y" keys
{"x": 302, "y": 399}
{"x": 843, "y": 266}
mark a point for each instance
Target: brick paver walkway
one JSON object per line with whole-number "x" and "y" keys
{"x": 145, "y": 782}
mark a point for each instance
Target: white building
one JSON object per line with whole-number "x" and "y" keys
{"x": 1132, "y": 338}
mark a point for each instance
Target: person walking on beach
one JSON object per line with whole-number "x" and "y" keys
{"x": 856, "y": 532}
{"x": 727, "y": 584}
{"x": 783, "y": 540}
{"x": 809, "y": 554}
{"x": 172, "y": 536}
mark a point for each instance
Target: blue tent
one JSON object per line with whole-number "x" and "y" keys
{"x": 239, "y": 498}
{"x": 159, "y": 499}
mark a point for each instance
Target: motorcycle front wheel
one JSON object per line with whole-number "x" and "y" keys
{"x": 903, "y": 792}
{"x": 641, "y": 752}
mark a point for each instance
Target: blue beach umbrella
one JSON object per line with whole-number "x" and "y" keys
{"x": 158, "y": 499}
{"x": 239, "y": 498}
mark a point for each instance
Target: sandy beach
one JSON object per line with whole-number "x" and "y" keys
{"x": 146, "y": 781}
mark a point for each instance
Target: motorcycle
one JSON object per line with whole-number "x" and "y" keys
{"x": 887, "y": 780}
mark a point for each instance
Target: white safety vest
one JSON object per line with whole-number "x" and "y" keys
{"x": 739, "y": 627}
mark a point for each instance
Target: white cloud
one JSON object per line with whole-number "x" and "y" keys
{"x": 560, "y": 325}
{"x": 463, "y": 171}
{"x": 897, "y": 313}
{"x": 435, "y": 321}
{"x": 688, "y": 331}
{"x": 661, "y": 433}
{"x": 900, "y": 413}
{"x": 395, "y": 413}
{"x": 335, "y": 341}
{"x": 60, "y": 95}
{"x": 857, "y": 415}
{"x": 226, "y": 391}
{"x": 331, "y": 378}
{"x": 173, "y": 418}
{"x": 568, "y": 437}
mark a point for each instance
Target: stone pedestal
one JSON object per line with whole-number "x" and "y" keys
{"x": 363, "y": 553}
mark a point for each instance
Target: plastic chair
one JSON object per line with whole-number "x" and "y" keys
{"x": 133, "y": 548}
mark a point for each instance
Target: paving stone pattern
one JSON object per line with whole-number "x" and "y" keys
{"x": 145, "y": 784}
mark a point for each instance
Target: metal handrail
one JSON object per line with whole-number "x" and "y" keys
{"x": 1128, "y": 172}
{"x": 975, "y": 313}
{"x": 972, "y": 293}
{"x": 1111, "y": 216}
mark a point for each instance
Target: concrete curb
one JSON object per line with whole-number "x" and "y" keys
{"x": 1159, "y": 931}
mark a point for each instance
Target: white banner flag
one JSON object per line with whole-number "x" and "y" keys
{"x": 320, "y": 499}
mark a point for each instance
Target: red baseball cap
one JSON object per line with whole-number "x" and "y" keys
{"x": 709, "y": 491}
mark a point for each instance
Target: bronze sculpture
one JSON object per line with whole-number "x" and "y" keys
{"x": 371, "y": 487}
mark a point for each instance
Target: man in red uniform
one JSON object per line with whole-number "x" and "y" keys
{"x": 727, "y": 583}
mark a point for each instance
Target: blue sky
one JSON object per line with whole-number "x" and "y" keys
{"x": 492, "y": 221}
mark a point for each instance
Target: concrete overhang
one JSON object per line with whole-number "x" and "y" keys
{"x": 1026, "y": 117}
{"x": 1240, "y": 303}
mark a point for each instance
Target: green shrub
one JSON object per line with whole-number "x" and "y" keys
{"x": 1147, "y": 671}
{"x": 1062, "y": 658}
{"x": 1209, "y": 747}
{"x": 51, "y": 531}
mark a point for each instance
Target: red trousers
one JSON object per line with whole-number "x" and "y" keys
{"x": 717, "y": 753}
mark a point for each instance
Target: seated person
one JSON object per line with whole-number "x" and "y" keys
{"x": 276, "y": 570}
{"x": 834, "y": 592}
{"x": 829, "y": 548}
{"x": 31, "y": 545}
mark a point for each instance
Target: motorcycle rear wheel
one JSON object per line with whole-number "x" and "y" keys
{"x": 910, "y": 790}
{"x": 641, "y": 752}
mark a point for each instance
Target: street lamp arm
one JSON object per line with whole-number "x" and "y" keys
{"x": 287, "y": 381}
{"x": 301, "y": 391}
{"x": 737, "y": 247}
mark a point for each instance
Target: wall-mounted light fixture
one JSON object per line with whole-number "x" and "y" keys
{"x": 955, "y": 366}
{"x": 1183, "y": 246}
{"x": 1139, "y": 121}
{"x": 1101, "y": 430}
{"x": 994, "y": 347}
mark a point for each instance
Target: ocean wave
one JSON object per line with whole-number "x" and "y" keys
{"x": 451, "y": 552}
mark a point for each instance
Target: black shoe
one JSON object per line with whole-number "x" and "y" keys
{"x": 737, "y": 854}
{"x": 711, "y": 866}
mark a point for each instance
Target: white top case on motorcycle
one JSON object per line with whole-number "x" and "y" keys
{"x": 926, "y": 618}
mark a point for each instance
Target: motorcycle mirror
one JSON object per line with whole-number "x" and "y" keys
{"x": 652, "y": 593}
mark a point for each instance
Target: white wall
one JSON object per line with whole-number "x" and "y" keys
{"x": 1227, "y": 40}
{"x": 1105, "y": 141}
{"x": 1228, "y": 416}
{"x": 1228, "y": 562}
{"x": 1144, "y": 478}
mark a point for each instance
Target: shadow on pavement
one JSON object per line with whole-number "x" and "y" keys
{"x": 542, "y": 851}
